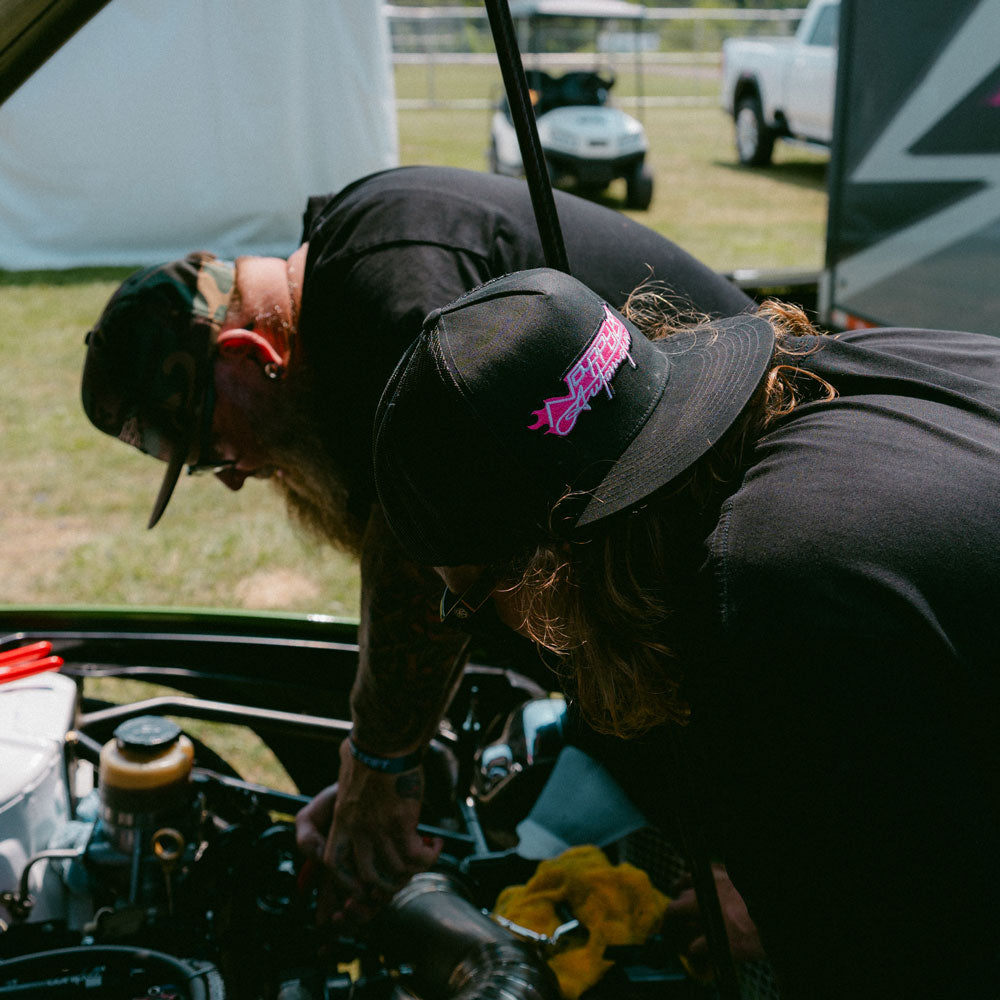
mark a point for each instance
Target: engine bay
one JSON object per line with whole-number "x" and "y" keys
{"x": 136, "y": 862}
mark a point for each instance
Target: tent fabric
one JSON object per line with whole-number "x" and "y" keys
{"x": 200, "y": 124}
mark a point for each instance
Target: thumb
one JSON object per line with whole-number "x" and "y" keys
{"x": 313, "y": 821}
{"x": 695, "y": 960}
{"x": 310, "y": 842}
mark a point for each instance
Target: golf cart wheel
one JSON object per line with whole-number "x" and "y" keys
{"x": 639, "y": 189}
{"x": 492, "y": 159}
{"x": 754, "y": 140}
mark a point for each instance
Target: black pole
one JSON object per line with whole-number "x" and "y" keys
{"x": 554, "y": 249}
{"x": 535, "y": 171}
{"x": 690, "y": 821}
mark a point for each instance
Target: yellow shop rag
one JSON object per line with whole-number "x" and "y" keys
{"x": 616, "y": 903}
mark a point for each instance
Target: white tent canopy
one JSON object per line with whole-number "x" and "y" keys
{"x": 162, "y": 128}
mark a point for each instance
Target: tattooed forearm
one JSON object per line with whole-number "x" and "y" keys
{"x": 410, "y": 785}
{"x": 409, "y": 663}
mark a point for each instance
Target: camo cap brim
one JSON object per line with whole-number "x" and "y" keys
{"x": 149, "y": 358}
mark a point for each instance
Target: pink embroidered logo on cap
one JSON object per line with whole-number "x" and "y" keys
{"x": 593, "y": 372}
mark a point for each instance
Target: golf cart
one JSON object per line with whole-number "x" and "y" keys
{"x": 587, "y": 143}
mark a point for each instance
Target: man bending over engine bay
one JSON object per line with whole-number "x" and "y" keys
{"x": 273, "y": 368}
{"x": 766, "y": 552}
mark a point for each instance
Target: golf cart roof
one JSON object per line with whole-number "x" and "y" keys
{"x": 32, "y": 30}
{"x": 600, "y": 9}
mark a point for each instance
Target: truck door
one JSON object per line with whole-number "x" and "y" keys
{"x": 812, "y": 76}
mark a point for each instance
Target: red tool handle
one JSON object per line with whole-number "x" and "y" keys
{"x": 32, "y": 651}
{"x": 15, "y": 671}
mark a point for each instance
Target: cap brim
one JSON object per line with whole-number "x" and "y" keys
{"x": 714, "y": 370}
{"x": 174, "y": 465}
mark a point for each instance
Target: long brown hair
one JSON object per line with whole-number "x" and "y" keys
{"x": 611, "y": 607}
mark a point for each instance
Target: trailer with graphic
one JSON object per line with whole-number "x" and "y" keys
{"x": 913, "y": 236}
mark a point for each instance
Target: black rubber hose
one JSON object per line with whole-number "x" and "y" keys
{"x": 456, "y": 951}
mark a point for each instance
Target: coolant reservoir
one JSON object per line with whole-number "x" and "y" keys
{"x": 144, "y": 778}
{"x": 35, "y": 715}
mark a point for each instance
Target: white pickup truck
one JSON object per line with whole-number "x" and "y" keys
{"x": 782, "y": 87}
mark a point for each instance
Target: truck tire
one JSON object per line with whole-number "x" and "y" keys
{"x": 639, "y": 189}
{"x": 754, "y": 140}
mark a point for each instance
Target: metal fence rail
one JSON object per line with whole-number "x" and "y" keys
{"x": 681, "y": 51}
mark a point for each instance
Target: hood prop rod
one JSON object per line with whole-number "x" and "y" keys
{"x": 554, "y": 250}
{"x": 535, "y": 171}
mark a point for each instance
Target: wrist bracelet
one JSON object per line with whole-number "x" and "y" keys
{"x": 387, "y": 765}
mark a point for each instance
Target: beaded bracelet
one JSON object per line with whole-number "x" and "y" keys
{"x": 387, "y": 765}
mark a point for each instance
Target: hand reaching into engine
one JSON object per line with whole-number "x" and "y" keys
{"x": 363, "y": 832}
{"x": 682, "y": 924}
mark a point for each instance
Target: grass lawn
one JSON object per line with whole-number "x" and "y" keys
{"x": 76, "y": 503}
{"x": 730, "y": 217}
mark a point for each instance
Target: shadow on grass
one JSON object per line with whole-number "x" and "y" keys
{"x": 801, "y": 173}
{"x": 72, "y": 276}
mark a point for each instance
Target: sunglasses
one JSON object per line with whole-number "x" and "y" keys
{"x": 208, "y": 462}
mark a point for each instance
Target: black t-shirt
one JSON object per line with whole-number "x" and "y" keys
{"x": 880, "y": 507}
{"x": 847, "y": 710}
{"x": 844, "y": 678}
{"x": 391, "y": 247}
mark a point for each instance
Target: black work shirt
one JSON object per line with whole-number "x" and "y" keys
{"x": 390, "y": 248}
{"x": 843, "y": 676}
{"x": 847, "y": 710}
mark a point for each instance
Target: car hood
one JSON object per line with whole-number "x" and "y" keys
{"x": 33, "y": 30}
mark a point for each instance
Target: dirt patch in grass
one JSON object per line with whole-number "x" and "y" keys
{"x": 275, "y": 590}
{"x": 42, "y": 544}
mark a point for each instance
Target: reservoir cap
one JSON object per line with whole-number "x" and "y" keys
{"x": 147, "y": 734}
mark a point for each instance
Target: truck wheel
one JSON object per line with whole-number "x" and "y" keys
{"x": 754, "y": 140}
{"x": 639, "y": 189}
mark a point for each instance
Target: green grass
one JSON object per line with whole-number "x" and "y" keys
{"x": 76, "y": 503}
{"x": 729, "y": 216}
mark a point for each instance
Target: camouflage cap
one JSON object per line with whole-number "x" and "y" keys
{"x": 149, "y": 358}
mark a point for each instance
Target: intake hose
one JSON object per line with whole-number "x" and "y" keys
{"x": 456, "y": 951}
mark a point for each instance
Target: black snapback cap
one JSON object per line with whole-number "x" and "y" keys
{"x": 148, "y": 365}
{"x": 529, "y": 404}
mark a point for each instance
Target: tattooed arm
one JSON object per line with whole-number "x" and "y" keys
{"x": 409, "y": 662}
{"x": 364, "y": 828}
